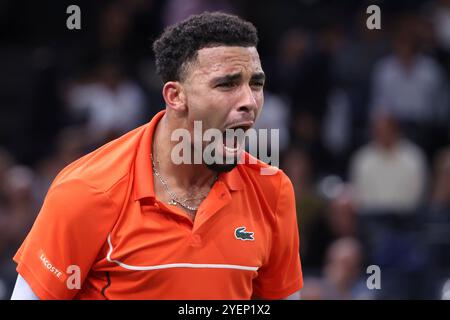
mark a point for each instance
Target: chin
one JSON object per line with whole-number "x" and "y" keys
{"x": 219, "y": 168}
{"x": 228, "y": 163}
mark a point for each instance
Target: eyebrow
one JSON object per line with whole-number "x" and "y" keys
{"x": 259, "y": 76}
{"x": 236, "y": 77}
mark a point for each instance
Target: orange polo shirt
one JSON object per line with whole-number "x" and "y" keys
{"x": 102, "y": 233}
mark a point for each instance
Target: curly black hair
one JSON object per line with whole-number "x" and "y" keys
{"x": 178, "y": 44}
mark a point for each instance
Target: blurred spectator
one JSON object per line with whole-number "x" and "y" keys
{"x": 436, "y": 224}
{"x": 390, "y": 172}
{"x": 343, "y": 270}
{"x": 342, "y": 274}
{"x": 440, "y": 195}
{"x": 114, "y": 26}
{"x": 441, "y": 20}
{"x": 294, "y": 45}
{"x": 337, "y": 220}
{"x": 71, "y": 144}
{"x": 19, "y": 212}
{"x": 21, "y": 209}
{"x": 310, "y": 206}
{"x": 306, "y": 135}
{"x": 352, "y": 68}
{"x": 446, "y": 290}
{"x": 111, "y": 103}
{"x": 303, "y": 69}
{"x": 312, "y": 288}
{"x": 336, "y": 129}
{"x": 408, "y": 84}
{"x": 275, "y": 116}
{"x": 389, "y": 177}
{"x": 313, "y": 80}
{"x": 6, "y": 162}
{"x": 412, "y": 86}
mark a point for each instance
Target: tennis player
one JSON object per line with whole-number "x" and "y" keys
{"x": 128, "y": 222}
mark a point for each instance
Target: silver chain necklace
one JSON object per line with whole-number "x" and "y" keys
{"x": 175, "y": 199}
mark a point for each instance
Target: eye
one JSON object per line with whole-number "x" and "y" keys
{"x": 226, "y": 85}
{"x": 257, "y": 84}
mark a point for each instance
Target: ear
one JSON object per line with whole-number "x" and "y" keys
{"x": 174, "y": 95}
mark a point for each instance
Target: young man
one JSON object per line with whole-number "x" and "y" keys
{"x": 128, "y": 222}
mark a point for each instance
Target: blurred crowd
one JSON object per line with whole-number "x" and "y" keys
{"x": 364, "y": 119}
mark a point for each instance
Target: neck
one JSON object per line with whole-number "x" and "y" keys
{"x": 184, "y": 176}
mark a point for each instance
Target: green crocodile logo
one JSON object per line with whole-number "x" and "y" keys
{"x": 241, "y": 234}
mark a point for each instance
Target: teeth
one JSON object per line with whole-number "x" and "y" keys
{"x": 229, "y": 149}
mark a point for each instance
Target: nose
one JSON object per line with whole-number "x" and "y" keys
{"x": 248, "y": 101}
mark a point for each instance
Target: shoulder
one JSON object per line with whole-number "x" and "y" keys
{"x": 363, "y": 154}
{"x": 106, "y": 166}
{"x": 429, "y": 63}
{"x": 103, "y": 173}
{"x": 268, "y": 181}
{"x": 411, "y": 151}
{"x": 385, "y": 64}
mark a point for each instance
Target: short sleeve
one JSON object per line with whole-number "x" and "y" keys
{"x": 66, "y": 237}
{"x": 282, "y": 275}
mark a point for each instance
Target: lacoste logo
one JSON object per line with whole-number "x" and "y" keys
{"x": 241, "y": 234}
{"x": 49, "y": 266}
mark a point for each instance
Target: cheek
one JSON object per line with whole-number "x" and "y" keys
{"x": 208, "y": 101}
{"x": 259, "y": 98}
{"x": 211, "y": 112}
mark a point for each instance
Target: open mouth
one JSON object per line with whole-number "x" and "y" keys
{"x": 233, "y": 137}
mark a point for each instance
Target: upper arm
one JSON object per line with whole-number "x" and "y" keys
{"x": 70, "y": 230}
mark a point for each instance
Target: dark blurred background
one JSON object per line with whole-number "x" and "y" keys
{"x": 363, "y": 116}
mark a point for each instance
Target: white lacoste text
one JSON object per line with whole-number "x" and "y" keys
{"x": 47, "y": 264}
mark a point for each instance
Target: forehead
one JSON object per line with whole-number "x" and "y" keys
{"x": 223, "y": 59}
